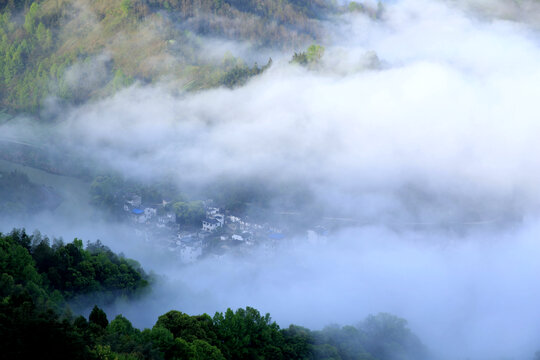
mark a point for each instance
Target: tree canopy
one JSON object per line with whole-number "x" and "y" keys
{"x": 50, "y": 48}
{"x": 311, "y": 57}
{"x": 37, "y": 278}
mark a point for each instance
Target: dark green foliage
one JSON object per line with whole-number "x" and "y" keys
{"x": 298, "y": 342}
{"x": 97, "y": 270}
{"x": 67, "y": 271}
{"x": 33, "y": 290}
{"x": 189, "y": 213}
{"x": 29, "y": 333}
{"x": 240, "y": 74}
{"x": 188, "y": 327}
{"x": 34, "y": 279}
{"x": 98, "y": 317}
{"x": 106, "y": 192}
{"x": 246, "y": 334}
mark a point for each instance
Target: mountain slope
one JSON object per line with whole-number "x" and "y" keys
{"x": 75, "y": 50}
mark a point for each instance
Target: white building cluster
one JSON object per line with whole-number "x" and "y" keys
{"x": 219, "y": 233}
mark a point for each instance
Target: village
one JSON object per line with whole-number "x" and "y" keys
{"x": 219, "y": 232}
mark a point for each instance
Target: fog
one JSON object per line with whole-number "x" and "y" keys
{"x": 420, "y": 127}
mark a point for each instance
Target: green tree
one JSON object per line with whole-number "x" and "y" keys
{"x": 31, "y": 18}
{"x": 355, "y": 7}
{"x": 311, "y": 57}
{"x": 125, "y": 6}
{"x": 98, "y": 317}
{"x": 203, "y": 351}
{"x": 188, "y": 327}
{"x": 388, "y": 337}
{"x": 246, "y": 334}
{"x": 314, "y": 53}
{"x": 189, "y": 213}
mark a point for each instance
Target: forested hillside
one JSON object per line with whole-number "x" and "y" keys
{"x": 75, "y": 50}
{"x": 37, "y": 279}
{"x": 58, "y": 272}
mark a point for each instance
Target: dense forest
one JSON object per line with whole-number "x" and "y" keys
{"x": 38, "y": 280}
{"x": 60, "y": 272}
{"x": 72, "y": 51}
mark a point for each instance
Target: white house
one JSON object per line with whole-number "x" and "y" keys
{"x": 237, "y": 238}
{"x": 220, "y": 218}
{"x": 150, "y": 212}
{"x": 167, "y": 218}
{"x": 210, "y": 225}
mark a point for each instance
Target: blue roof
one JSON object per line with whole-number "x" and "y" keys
{"x": 137, "y": 211}
{"x": 276, "y": 236}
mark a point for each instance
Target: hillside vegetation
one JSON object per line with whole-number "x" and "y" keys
{"x": 36, "y": 280}
{"x": 52, "y": 274}
{"x": 75, "y": 50}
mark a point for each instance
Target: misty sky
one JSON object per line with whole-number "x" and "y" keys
{"x": 422, "y": 125}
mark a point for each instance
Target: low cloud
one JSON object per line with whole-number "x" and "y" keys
{"x": 420, "y": 127}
